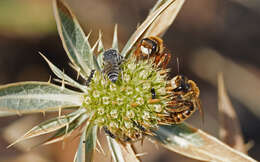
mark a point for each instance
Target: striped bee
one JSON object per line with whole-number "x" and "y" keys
{"x": 153, "y": 48}
{"x": 184, "y": 95}
{"x": 111, "y": 62}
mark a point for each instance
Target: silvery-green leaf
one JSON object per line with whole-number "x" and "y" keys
{"x": 88, "y": 138}
{"x": 165, "y": 19}
{"x": 50, "y": 125}
{"x": 115, "y": 39}
{"x": 143, "y": 27}
{"x": 129, "y": 153}
{"x": 64, "y": 132}
{"x": 96, "y": 64}
{"x": 63, "y": 76}
{"x": 115, "y": 150}
{"x": 80, "y": 154}
{"x": 73, "y": 38}
{"x": 5, "y": 113}
{"x": 90, "y": 142}
{"x": 100, "y": 50}
{"x": 28, "y": 97}
{"x": 100, "y": 44}
{"x": 197, "y": 144}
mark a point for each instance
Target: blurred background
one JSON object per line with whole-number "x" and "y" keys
{"x": 208, "y": 37}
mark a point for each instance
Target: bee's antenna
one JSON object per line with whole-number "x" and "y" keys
{"x": 178, "y": 65}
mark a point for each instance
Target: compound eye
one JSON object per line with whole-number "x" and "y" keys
{"x": 178, "y": 89}
{"x": 154, "y": 48}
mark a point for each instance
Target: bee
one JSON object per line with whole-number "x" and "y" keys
{"x": 153, "y": 48}
{"x": 111, "y": 62}
{"x": 184, "y": 100}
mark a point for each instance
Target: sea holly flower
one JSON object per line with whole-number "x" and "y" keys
{"x": 121, "y": 108}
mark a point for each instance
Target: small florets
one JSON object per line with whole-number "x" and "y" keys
{"x": 125, "y": 107}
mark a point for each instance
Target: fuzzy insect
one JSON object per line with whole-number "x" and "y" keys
{"x": 184, "y": 99}
{"x": 111, "y": 62}
{"x": 153, "y": 48}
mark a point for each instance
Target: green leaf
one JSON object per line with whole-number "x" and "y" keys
{"x": 90, "y": 142}
{"x": 143, "y": 28}
{"x": 96, "y": 63}
{"x": 63, "y": 76}
{"x": 80, "y": 154}
{"x": 115, "y": 150}
{"x": 100, "y": 50}
{"x": 64, "y": 132}
{"x": 88, "y": 137}
{"x": 115, "y": 39}
{"x": 197, "y": 144}
{"x": 50, "y": 125}
{"x": 29, "y": 97}
{"x": 73, "y": 38}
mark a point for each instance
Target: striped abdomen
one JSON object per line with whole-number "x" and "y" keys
{"x": 112, "y": 72}
{"x": 175, "y": 117}
{"x": 178, "y": 117}
{"x": 112, "y": 61}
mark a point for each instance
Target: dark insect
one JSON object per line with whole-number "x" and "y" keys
{"x": 107, "y": 131}
{"x": 153, "y": 48}
{"x": 112, "y": 61}
{"x": 90, "y": 77}
{"x": 153, "y": 93}
{"x": 139, "y": 126}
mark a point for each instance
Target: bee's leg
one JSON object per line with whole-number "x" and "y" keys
{"x": 127, "y": 139}
{"x": 107, "y": 131}
{"x": 139, "y": 126}
{"x": 167, "y": 57}
{"x": 187, "y": 95}
{"x": 90, "y": 77}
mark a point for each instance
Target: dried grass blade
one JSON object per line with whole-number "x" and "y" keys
{"x": 230, "y": 131}
{"x": 164, "y": 20}
{"x": 143, "y": 27}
